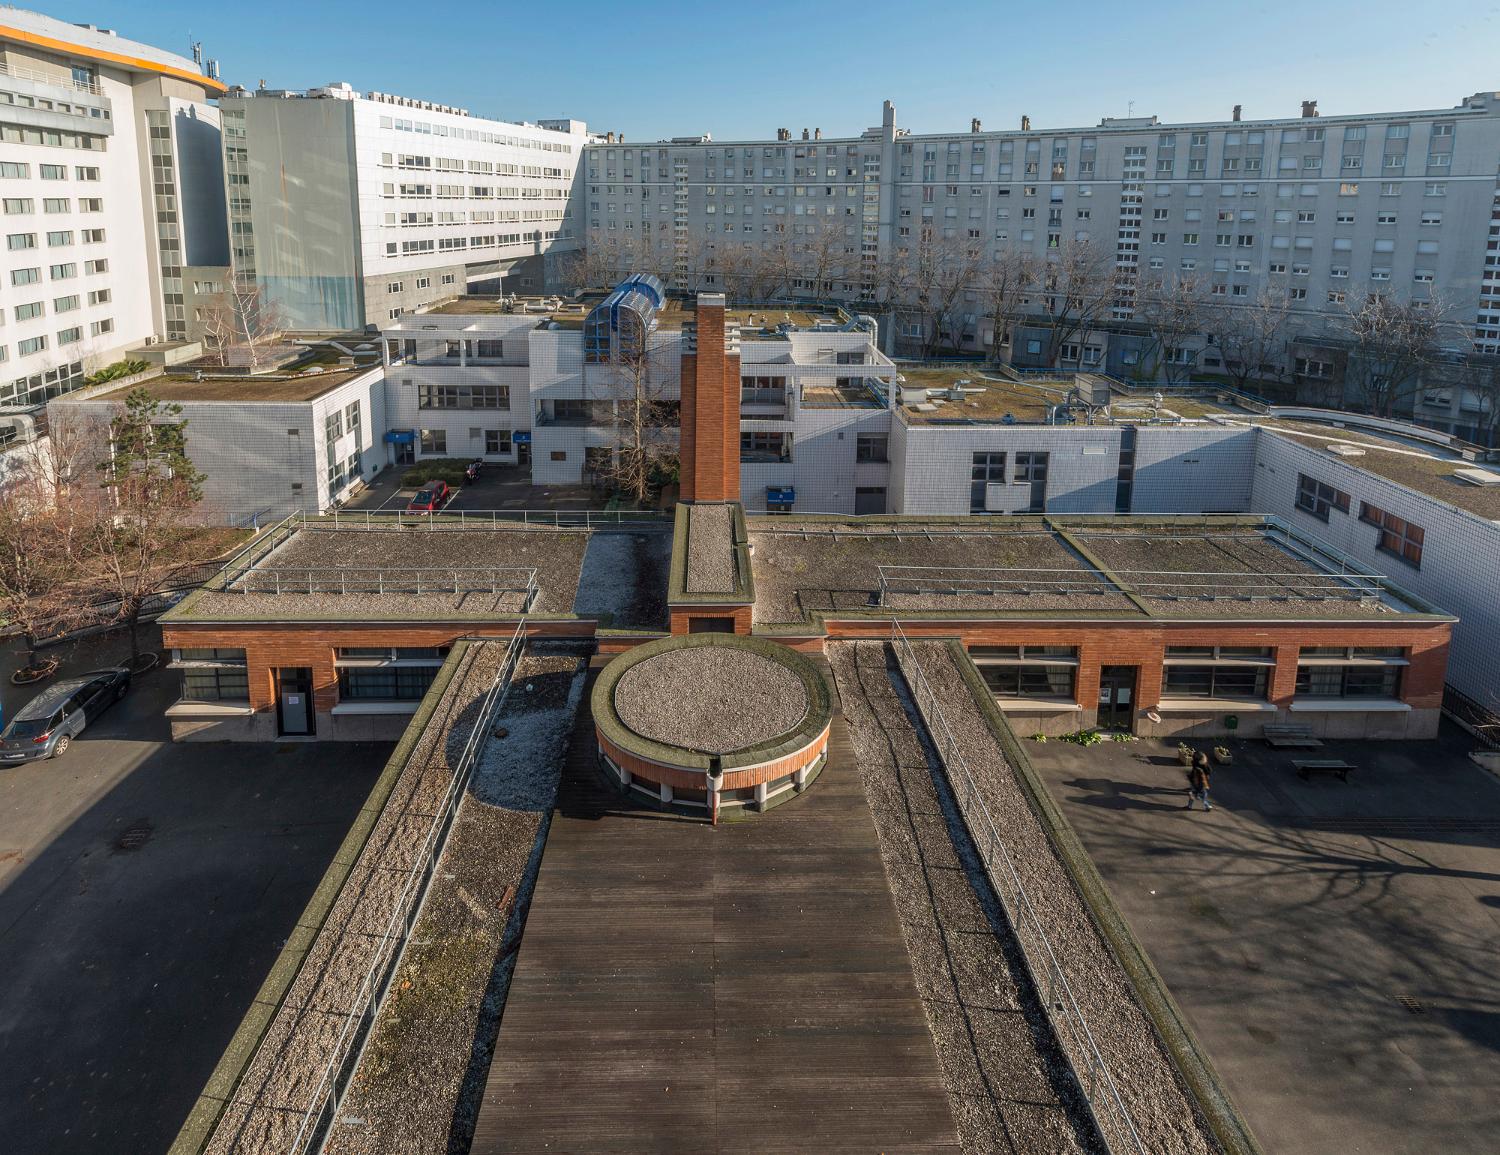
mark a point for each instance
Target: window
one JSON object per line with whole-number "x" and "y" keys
{"x": 1372, "y": 680}
{"x": 434, "y": 441}
{"x": 1397, "y": 537}
{"x": 463, "y": 396}
{"x": 31, "y": 345}
{"x": 17, "y": 205}
{"x": 25, "y": 276}
{"x": 17, "y": 241}
{"x": 213, "y": 675}
{"x": 1039, "y": 672}
{"x": 29, "y": 310}
{"x": 1317, "y": 498}
{"x": 497, "y": 441}
{"x": 64, "y": 271}
{"x": 987, "y": 468}
{"x": 765, "y": 447}
{"x": 60, "y": 238}
{"x": 1247, "y": 681}
{"x": 390, "y": 683}
{"x": 871, "y": 447}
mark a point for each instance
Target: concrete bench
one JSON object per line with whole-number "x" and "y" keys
{"x": 1298, "y": 736}
{"x": 1307, "y": 768}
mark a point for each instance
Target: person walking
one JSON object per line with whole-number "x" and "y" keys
{"x": 1198, "y": 781}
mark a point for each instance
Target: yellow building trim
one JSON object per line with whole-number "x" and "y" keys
{"x": 134, "y": 63}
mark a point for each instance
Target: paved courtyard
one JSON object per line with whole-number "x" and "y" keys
{"x": 1333, "y": 945}
{"x": 145, "y": 889}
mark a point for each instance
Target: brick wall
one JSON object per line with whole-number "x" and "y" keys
{"x": 684, "y": 616}
{"x": 710, "y": 412}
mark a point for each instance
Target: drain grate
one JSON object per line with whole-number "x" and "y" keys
{"x": 1411, "y": 1004}
{"x": 134, "y": 836}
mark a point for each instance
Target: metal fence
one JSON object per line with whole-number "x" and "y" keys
{"x": 1479, "y": 720}
{"x": 389, "y": 580}
{"x": 390, "y": 944}
{"x": 456, "y": 519}
{"x": 1100, "y": 1092}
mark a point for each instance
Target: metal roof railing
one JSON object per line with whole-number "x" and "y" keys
{"x": 1069, "y": 1024}
{"x": 388, "y": 580}
{"x": 389, "y": 946}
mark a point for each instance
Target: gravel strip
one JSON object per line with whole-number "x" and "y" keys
{"x": 821, "y": 570}
{"x": 557, "y": 556}
{"x": 624, "y": 575}
{"x": 1149, "y": 1083}
{"x": 265, "y": 1111}
{"x": 418, "y": 1085}
{"x": 1244, "y": 556}
{"x": 710, "y": 559}
{"x": 710, "y": 698}
{"x": 1007, "y": 1082}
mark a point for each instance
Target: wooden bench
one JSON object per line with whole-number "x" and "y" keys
{"x": 1307, "y": 768}
{"x": 1279, "y": 736}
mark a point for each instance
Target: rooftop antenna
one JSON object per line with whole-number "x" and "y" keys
{"x": 1130, "y": 108}
{"x": 197, "y": 52}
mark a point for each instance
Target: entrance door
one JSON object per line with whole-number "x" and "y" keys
{"x": 406, "y": 453}
{"x": 1116, "y": 697}
{"x": 523, "y": 454}
{"x": 294, "y": 710}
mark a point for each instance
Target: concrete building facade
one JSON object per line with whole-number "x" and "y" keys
{"x": 1313, "y": 209}
{"x": 110, "y": 183}
{"x": 349, "y": 210}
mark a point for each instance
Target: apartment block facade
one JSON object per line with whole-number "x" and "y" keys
{"x": 1318, "y": 209}
{"x": 351, "y": 209}
{"x": 109, "y": 183}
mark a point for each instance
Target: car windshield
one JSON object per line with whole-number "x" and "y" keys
{"x": 426, "y": 497}
{"x": 26, "y": 728}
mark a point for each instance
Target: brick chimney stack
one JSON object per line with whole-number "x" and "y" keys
{"x": 710, "y": 406}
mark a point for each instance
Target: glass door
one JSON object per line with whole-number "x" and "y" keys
{"x": 1116, "y": 697}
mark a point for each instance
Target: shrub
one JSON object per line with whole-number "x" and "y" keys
{"x": 125, "y": 368}
{"x": 449, "y": 469}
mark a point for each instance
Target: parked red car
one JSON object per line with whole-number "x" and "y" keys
{"x": 431, "y": 498}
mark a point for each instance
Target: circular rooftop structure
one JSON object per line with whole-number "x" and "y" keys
{"x": 712, "y": 723}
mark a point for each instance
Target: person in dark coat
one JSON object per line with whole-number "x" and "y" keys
{"x": 1198, "y": 781}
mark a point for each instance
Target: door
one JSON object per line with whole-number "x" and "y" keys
{"x": 1116, "y": 698}
{"x": 294, "y": 712}
{"x": 869, "y": 499}
{"x": 406, "y": 453}
{"x": 523, "y": 454}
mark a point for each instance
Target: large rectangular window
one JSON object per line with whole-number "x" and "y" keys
{"x": 434, "y": 440}
{"x": 213, "y": 675}
{"x": 1398, "y": 537}
{"x": 464, "y": 396}
{"x": 764, "y": 448}
{"x": 385, "y": 683}
{"x": 872, "y": 447}
{"x": 1048, "y": 673}
{"x": 1350, "y": 671}
{"x": 1241, "y": 672}
{"x": 987, "y": 468}
{"x": 1318, "y": 498}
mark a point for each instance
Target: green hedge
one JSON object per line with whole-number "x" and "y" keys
{"x": 449, "y": 469}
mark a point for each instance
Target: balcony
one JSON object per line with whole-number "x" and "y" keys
{"x": 764, "y": 403}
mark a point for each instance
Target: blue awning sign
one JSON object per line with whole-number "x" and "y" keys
{"x": 781, "y": 494}
{"x": 521, "y": 437}
{"x": 400, "y": 436}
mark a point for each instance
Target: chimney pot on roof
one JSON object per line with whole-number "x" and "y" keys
{"x": 1309, "y": 108}
{"x": 817, "y": 134}
{"x": 974, "y": 124}
{"x": 1025, "y": 124}
{"x": 1236, "y": 115}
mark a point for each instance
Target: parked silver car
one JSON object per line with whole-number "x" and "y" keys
{"x": 46, "y": 726}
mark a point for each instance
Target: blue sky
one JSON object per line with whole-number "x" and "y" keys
{"x": 666, "y": 68}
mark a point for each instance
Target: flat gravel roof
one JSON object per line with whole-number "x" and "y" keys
{"x": 713, "y": 699}
{"x": 401, "y": 553}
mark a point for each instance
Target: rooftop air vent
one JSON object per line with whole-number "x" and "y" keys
{"x": 1477, "y": 476}
{"x": 1344, "y": 449}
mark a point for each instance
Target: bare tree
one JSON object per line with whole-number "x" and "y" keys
{"x": 240, "y": 323}
{"x": 153, "y": 493}
{"x": 1393, "y": 341}
{"x": 1003, "y": 280}
{"x": 823, "y": 256}
{"x": 594, "y": 266}
{"x": 928, "y": 280}
{"x": 1252, "y": 337}
{"x": 49, "y": 507}
{"x": 643, "y": 416}
{"x": 1075, "y": 292}
{"x": 1173, "y": 307}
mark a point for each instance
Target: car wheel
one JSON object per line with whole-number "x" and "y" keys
{"x": 61, "y": 747}
{"x": 120, "y": 690}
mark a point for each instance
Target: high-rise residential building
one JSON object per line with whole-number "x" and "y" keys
{"x": 110, "y": 179}
{"x": 349, "y": 210}
{"x": 1311, "y": 210}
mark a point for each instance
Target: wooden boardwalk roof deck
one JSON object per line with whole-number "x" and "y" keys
{"x": 740, "y": 989}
